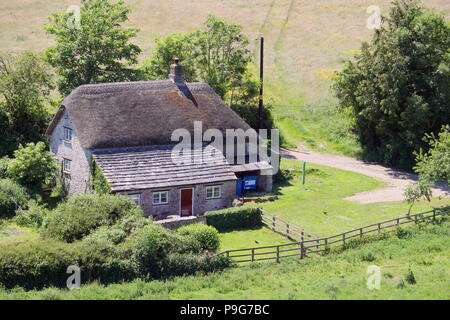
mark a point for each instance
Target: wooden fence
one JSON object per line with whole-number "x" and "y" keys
{"x": 305, "y": 248}
{"x": 288, "y": 229}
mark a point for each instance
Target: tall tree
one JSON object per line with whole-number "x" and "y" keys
{"x": 97, "y": 50}
{"x": 216, "y": 53}
{"x": 398, "y": 87}
{"x": 25, "y": 85}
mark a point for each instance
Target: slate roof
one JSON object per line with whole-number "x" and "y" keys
{"x": 128, "y": 114}
{"x": 128, "y": 169}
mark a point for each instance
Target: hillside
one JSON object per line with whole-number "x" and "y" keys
{"x": 306, "y": 42}
{"x": 425, "y": 251}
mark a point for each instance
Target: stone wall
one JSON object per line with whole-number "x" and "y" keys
{"x": 201, "y": 204}
{"x": 78, "y": 179}
{"x": 184, "y": 221}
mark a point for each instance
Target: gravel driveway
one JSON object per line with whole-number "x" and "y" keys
{"x": 396, "y": 179}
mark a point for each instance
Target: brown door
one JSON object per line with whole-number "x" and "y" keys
{"x": 186, "y": 202}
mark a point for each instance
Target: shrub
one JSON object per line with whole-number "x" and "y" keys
{"x": 207, "y": 236}
{"x": 35, "y": 264}
{"x": 33, "y": 165}
{"x": 234, "y": 218}
{"x": 410, "y": 278}
{"x": 12, "y": 197}
{"x": 31, "y": 217}
{"x": 188, "y": 264}
{"x": 4, "y": 167}
{"x": 82, "y": 214}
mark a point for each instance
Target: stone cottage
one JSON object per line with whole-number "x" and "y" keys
{"x": 125, "y": 130}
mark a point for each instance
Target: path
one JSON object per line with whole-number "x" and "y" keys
{"x": 396, "y": 179}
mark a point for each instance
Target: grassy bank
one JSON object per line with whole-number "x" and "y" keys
{"x": 426, "y": 252}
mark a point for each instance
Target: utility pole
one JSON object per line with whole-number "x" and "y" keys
{"x": 261, "y": 78}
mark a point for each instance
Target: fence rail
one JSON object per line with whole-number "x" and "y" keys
{"x": 288, "y": 229}
{"x": 316, "y": 245}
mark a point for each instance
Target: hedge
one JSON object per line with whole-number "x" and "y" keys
{"x": 82, "y": 214}
{"x": 235, "y": 218}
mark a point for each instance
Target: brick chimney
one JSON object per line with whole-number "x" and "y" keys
{"x": 176, "y": 72}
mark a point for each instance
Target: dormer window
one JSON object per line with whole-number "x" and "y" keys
{"x": 67, "y": 134}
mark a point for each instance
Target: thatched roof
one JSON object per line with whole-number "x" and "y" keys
{"x": 114, "y": 115}
{"x": 140, "y": 168}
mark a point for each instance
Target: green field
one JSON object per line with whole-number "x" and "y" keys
{"x": 319, "y": 206}
{"x": 305, "y": 43}
{"x": 425, "y": 251}
{"x": 256, "y": 237}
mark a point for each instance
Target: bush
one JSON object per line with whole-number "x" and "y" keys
{"x": 12, "y": 197}
{"x": 410, "y": 278}
{"x": 35, "y": 264}
{"x": 234, "y": 218}
{"x": 207, "y": 236}
{"x": 4, "y": 167}
{"x": 82, "y": 214}
{"x": 188, "y": 264}
{"x": 31, "y": 217}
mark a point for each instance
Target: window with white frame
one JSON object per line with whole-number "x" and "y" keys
{"x": 161, "y": 197}
{"x": 66, "y": 165}
{"x": 213, "y": 192}
{"x": 67, "y": 134}
{"x": 136, "y": 198}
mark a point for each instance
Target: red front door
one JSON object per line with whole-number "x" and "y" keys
{"x": 186, "y": 202}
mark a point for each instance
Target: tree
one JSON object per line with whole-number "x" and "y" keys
{"x": 25, "y": 85}
{"x": 98, "y": 50}
{"x": 217, "y": 54}
{"x": 398, "y": 88}
{"x": 33, "y": 166}
{"x": 432, "y": 166}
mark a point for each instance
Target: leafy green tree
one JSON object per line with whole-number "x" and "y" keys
{"x": 98, "y": 50}
{"x": 25, "y": 84}
{"x": 398, "y": 88}
{"x": 217, "y": 54}
{"x": 33, "y": 166}
{"x": 432, "y": 166}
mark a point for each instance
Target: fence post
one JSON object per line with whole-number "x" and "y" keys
{"x": 287, "y": 228}
{"x": 253, "y": 254}
{"x": 379, "y": 227}
{"x": 302, "y": 250}
{"x": 415, "y": 218}
{"x": 273, "y": 223}
{"x": 278, "y": 254}
{"x": 360, "y": 232}
{"x": 303, "y": 236}
{"x": 227, "y": 254}
{"x": 343, "y": 238}
{"x": 434, "y": 214}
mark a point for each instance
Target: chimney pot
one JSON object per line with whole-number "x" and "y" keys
{"x": 176, "y": 72}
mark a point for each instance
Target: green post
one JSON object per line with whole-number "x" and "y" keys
{"x": 304, "y": 173}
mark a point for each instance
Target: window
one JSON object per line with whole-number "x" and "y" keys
{"x": 136, "y": 198}
{"x": 66, "y": 165}
{"x": 160, "y": 197}
{"x": 67, "y": 134}
{"x": 213, "y": 192}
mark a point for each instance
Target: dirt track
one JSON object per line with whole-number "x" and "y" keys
{"x": 397, "y": 180}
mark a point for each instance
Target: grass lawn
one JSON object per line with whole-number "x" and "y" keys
{"x": 426, "y": 252}
{"x": 246, "y": 238}
{"x": 10, "y": 232}
{"x": 318, "y": 207}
